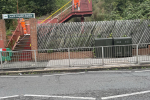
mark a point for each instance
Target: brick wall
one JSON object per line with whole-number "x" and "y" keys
{"x": 143, "y": 51}
{"x": 64, "y": 55}
{"x": 2, "y": 33}
{"x": 33, "y": 36}
{"x": 81, "y": 54}
{"x": 2, "y": 44}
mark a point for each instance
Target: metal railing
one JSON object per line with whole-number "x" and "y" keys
{"x": 62, "y": 14}
{"x": 59, "y": 11}
{"x": 12, "y": 42}
{"x": 72, "y": 57}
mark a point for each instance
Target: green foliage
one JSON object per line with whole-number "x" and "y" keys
{"x": 102, "y": 9}
{"x": 138, "y": 11}
{"x": 50, "y": 51}
{"x": 124, "y": 35}
{"x": 99, "y": 36}
{"x": 39, "y": 7}
{"x": 120, "y": 10}
{"x": 8, "y": 32}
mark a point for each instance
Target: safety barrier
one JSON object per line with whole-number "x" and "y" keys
{"x": 83, "y": 56}
{"x": 6, "y": 56}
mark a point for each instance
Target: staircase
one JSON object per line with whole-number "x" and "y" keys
{"x": 22, "y": 46}
{"x": 21, "y": 43}
{"x": 68, "y": 11}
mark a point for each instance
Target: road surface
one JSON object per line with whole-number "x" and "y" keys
{"x": 101, "y": 85}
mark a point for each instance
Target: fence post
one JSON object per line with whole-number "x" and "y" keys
{"x": 69, "y": 56}
{"x": 137, "y": 60}
{"x": 102, "y": 55}
{"x": 35, "y": 56}
{"x": 1, "y": 61}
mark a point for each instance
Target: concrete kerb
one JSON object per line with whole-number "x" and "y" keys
{"x": 75, "y": 69}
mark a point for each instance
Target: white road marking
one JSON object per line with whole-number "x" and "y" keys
{"x": 69, "y": 97}
{"x": 18, "y": 76}
{"x": 62, "y": 74}
{"x": 142, "y": 71}
{"x": 42, "y": 75}
{"x": 124, "y": 95}
{"x": 9, "y": 97}
{"x": 111, "y": 71}
{"x": 139, "y": 71}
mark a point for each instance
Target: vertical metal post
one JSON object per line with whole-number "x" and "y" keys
{"x": 35, "y": 56}
{"x": 137, "y": 61}
{"x": 69, "y": 56}
{"x": 61, "y": 13}
{"x": 102, "y": 55}
{"x": 1, "y": 61}
{"x": 82, "y": 19}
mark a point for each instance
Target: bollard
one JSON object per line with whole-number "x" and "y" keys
{"x": 137, "y": 60}
{"x": 1, "y": 61}
{"x": 102, "y": 55}
{"x": 69, "y": 56}
{"x": 35, "y": 56}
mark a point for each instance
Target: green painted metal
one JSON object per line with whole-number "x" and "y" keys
{"x": 21, "y": 15}
{"x": 122, "y": 51}
{"x": 6, "y": 56}
{"x": 107, "y": 50}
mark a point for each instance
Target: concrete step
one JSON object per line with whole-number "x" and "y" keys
{"x": 27, "y": 45}
{"x": 20, "y": 49}
{"x": 22, "y": 46}
{"x": 21, "y": 41}
{"x": 25, "y": 36}
{"x": 24, "y": 40}
{"x": 22, "y": 53}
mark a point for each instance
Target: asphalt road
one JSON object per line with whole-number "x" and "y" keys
{"x": 103, "y": 85}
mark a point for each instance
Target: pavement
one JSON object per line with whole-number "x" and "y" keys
{"x": 32, "y": 69}
{"x": 62, "y": 65}
{"x": 115, "y": 66}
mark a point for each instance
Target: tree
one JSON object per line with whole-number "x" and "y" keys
{"x": 39, "y": 7}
